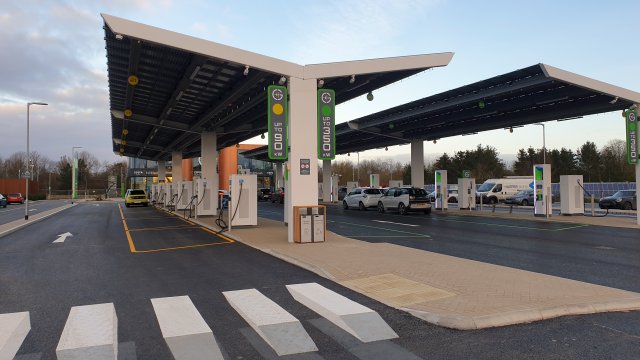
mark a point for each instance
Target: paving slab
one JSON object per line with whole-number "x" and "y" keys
{"x": 451, "y": 292}
{"x": 14, "y": 328}
{"x": 356, "y": 319}
{"x": 185, "y": 331}
{"x": 281, "y": 330}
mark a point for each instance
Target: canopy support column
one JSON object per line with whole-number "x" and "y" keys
{"x": 209, "y": 160}
{"x": 326, "y": 180}
{"x": 417, "y": 163}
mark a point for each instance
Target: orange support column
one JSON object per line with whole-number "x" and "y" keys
{"x": 187, "y": 169}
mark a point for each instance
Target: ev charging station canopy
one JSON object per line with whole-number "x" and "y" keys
{"x": 166, "y": 88}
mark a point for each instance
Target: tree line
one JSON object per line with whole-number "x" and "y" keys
{"x": 596, "y": 165}
{"x": 92, "y": 173}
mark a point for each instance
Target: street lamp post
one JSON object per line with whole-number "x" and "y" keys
{"x": 544, "y": 147}
{"x": 28, "y": 175}
{"x": 73, "y": 172}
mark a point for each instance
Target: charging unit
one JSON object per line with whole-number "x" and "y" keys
{"x": 185, "y": 191}
{"x": 351, "y": 185}
{"x": 243, "y": 205}
{"x": 395, "y": 183}
{"x": 571, "y": 195}
{"x": 161, "y": 195}
{"x": 442, "y": 196}
{"x": 466, "y": 193}
{"x": 374, "y": 181}
{"x": 206, "y": 198}
{"x": 153, "y": 193}
{"x": 542, "y": 190}
{"x": 169, "y": 199}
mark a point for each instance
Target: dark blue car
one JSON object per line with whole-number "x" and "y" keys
{"x": 3, "y": 201}
{"x": 524, "y": 198}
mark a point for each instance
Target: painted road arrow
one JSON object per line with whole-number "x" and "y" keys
{"x": 62, "y": 237}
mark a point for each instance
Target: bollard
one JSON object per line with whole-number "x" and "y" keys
{"x": 511, "y": 209}
{"x": 593, "y": 205}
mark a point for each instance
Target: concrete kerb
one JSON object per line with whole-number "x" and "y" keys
{"x": 16, "y": 225}
{"x": 462, "y": 322}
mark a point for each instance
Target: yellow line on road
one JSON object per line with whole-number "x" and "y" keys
{"x": 181, "y": 247}
{"x": 163, "y": 228}
{"x": 217, "y": 234}
{"x": 132, "y": 247}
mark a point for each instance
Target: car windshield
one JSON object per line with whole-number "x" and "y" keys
{"x": 522, "y": 193}
{"x": 486, "y": 187}
{"x": 419, "y": 192}
{"x": 136, "y": 192}
{"x": 14, "y": 195}
{"x": 624, "y": 193}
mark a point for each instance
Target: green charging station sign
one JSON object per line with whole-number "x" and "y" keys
{"x": 277, "y": 118}
{"x": 326, "y": 124}
{"x": 632, "y": 136}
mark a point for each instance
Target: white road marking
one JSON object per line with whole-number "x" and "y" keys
{"x": 14, "y": 328}
{"x": 395, "y": 223}
{"x": 91, "y": 332}
{"x": 62, "y": 237}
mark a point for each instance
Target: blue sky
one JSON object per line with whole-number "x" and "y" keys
{"x": 53, "y": 51}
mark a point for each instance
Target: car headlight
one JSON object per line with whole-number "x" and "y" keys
{"x": 618, "y": 199}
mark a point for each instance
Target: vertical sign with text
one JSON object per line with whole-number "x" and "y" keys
{"x": 277, "y": 117}
{"x": 326, "y": 124}
{"x": 631, "y": 120}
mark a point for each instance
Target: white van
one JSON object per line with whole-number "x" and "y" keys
{"x": 493, "y": 191}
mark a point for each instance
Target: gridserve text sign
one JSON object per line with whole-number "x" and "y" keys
{"x": 277, "y": 116}
{"x": 632, "y": 136}
{"x": 326, "y": 124}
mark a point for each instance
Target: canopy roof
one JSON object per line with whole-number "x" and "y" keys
{"x": 183, "y": 86}
{"x": 534, "y": 94}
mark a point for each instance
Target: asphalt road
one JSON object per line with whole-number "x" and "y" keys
{"x": 97, "y": 265}
{"x": 16, "y": 211}
{"x": 598, "y": 255}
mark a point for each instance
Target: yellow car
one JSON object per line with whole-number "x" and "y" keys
{"x": 136, "y": 197}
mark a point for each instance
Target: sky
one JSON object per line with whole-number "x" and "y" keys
{"x": 54, "y": 51}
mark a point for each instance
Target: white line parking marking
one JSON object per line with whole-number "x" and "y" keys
{"x": 395, "y": 223}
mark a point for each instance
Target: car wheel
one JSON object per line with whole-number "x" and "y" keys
{"x": 344, "y": 205}
{"x": 493, "y": 200}
{"x": 453, "y": 200}
{"x": 626, "y": 206}
{"x": 380, "y": 207}
{"x": 402, "y": 209}
{"x": 428, "y": 211}
{"x": 361, "y": 206}
{"x": 525, "y": 202}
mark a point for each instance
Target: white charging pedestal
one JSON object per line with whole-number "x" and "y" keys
{"x": 466, "y": 193}
{"x": 571, "y": 195}
{"x": 542, "y": 190}
{"x": 243, "y": 205}
{"x": 185, "y": 191}
{"x": 206, "y": 198}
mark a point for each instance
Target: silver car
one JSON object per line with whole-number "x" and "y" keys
{"x": 404, "y": 199}
{"x": 362, "y": 198}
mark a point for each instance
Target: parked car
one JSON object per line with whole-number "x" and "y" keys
{"x": 15, "y": 198}
{"x": 524, "y": 198}
{"x": 404, "y": 199}
{"x": 453, "y": 196}
{"x": 264, "y": 194}
{"x": 136, "y": 197}
{"x": 278, "y": 196}
{"x": 342, "y": 192}
{"x": 362, "y": 198}
{"x": 3, "y": 201}
{"x": 623, "y": 199}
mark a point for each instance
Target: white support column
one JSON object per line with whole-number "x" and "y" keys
{"x": 303, "y": 137}
{"x": 176, "y": 166}
{"x": 326, "y": 180}
{"x": 162, "y": 171}
{"x": 209, "y": 159}
{"x": 417, "y": 163}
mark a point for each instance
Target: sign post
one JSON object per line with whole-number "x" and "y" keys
{"x": 632, "y": 136}
{"x": 326, "y": 124}
{"x": 277, "y": 118}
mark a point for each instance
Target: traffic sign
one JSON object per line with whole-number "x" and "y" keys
{"x": 466, "y": 174}
{"x": 277, "y": 122}
{"x": 326, "y": 124}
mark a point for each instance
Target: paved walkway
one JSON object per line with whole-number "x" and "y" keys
{"x": 8, "y": 228}
{"x": 443, "y": 290}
